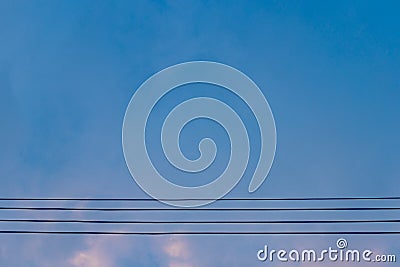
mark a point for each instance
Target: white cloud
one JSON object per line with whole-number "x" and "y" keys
{"x": 177, "y": 252}
{"x": 93, "y": 256}
{"x": 90, "y": 258}
{"x": 101, "y": 251}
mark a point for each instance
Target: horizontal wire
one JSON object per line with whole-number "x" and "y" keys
{"x": 194, "y": 199}
{"x": 200, "y": 209}
{"x": 199, "y": 222}
{"x": 196, "y": 233}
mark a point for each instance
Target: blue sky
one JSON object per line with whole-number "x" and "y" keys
{"x": 68, "y": 69}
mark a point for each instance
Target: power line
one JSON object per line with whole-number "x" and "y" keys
{"x": 201, "y": 209}
{"x": 200, "y": 222}
{"x": 196, "y": 233}
{"x": 194, "y": 199}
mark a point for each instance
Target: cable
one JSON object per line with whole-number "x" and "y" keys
{"x": 197, "y": 222}
{"x": 200, "y": 222}
{"x": 195, "y": 233}
{"x": 200, "y": 209}
{"x": 194, "y": 199}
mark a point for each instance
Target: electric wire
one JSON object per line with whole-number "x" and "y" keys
{"x": 201, "y": 209}
{"x": 200, "y": 233}
{"x": 199, "y": 222}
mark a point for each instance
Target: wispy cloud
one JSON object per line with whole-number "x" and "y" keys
{"x": 101, "y": 252}
{"x": 178, "y": 252}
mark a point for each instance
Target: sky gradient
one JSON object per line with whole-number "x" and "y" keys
{"x": 329, "y": 70}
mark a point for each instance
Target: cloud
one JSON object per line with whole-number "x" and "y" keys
{"x": 108, "y": 251}
{"x": 90, "y": 258}
{"x": 102, "y": 251}
{"x": 178, "y": 252}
